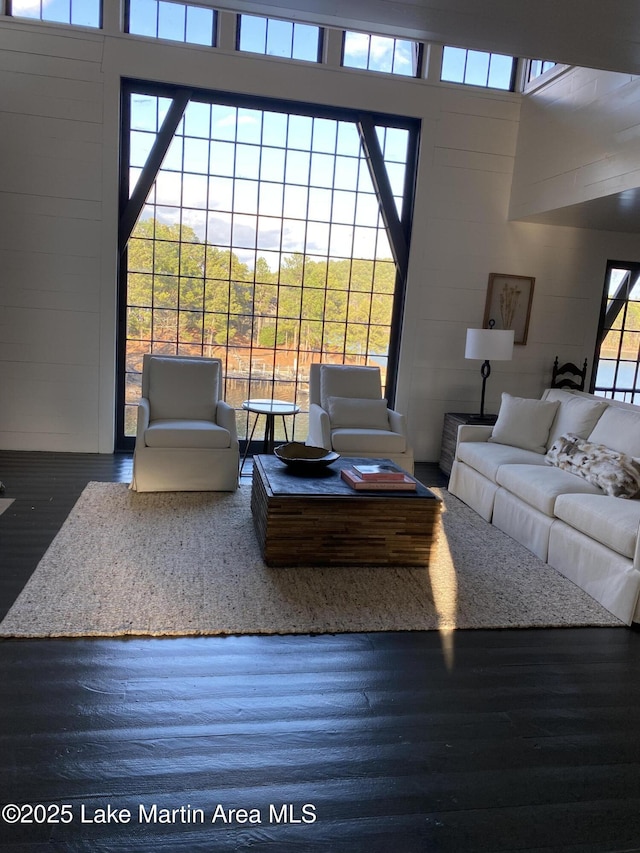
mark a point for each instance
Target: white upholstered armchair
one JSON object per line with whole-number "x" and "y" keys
{"x": 186, "y": 437}
{"x": 348, "y": 414}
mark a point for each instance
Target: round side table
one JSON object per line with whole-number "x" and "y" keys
{"x": 268, "y": 408}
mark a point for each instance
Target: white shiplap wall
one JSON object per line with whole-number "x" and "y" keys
{"x": 59, "y": 96}
{"x": 51, "y": 96}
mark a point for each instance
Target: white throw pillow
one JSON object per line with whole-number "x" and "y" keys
{"x": 524, "y": 423}
{"x": 357, "y": 413}
{"x": 576, "y": 415}
{"x": 618, "y": 429}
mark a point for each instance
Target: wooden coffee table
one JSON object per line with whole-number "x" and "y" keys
{"x": 321, "y": 521}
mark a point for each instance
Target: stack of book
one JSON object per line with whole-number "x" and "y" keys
{"x": 378, "y": 476}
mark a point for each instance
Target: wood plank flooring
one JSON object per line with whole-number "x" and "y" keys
{"x": 405, "y": 742}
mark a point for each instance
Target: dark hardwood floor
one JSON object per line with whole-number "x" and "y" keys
{"x": 404, "y": 742}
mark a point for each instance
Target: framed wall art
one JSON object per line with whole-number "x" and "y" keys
{"x": 508, "y": 305}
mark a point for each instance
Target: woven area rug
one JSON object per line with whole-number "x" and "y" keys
{"x": 189, "y": 564}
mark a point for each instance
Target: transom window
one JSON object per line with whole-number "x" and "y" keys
{"x": 268, "y": 236}
{"x": 80, "y": 13}
{"x": 477, "y": 68}
{"x": 381, "y": 53}
{"x": 617, "y": 364}
{"x": 273, "y": 37}
{"x": 164, "y": 19}
{"x": 537, "y": 67}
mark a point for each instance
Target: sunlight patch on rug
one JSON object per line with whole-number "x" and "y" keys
{"x": 180, "y": 564}
{"x": 5, "y": 503}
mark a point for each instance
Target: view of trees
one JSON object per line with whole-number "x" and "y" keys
{"x": 181, "y": 289}
{"x": 190, "y": 297}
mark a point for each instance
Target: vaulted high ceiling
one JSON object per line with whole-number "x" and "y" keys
{"x": 591, "y": 33}
{"x": 602, "y": 34}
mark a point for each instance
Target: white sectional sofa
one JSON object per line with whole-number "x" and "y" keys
{"x": 561, "y": 476}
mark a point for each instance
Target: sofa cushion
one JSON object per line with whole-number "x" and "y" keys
{"x": 611, "y": 521}
{"x": 524, "y": 423}
{"x": 487, "y": 458}
{"x": 376, "y": 441}
{"x": 181, "y": 433}
{"x": 577, "y": 415}
{"x": 354, "y": 413}
{"x": 345, "y": 380}
{"x": 618, "y": 429}
{"x": 615, "y": 473}
{"x": 540, "y": 485}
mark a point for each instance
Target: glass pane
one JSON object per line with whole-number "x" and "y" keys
{"x": 477, "y": 70}
{"x": 197, "y": 119}
{"x": 274, "y": 129}
{"x": 500, "y": 71}
{"x": 381, "y": 54}
{"x": 171, "y": 21}
{"x": 57, "y": 10}
{"x": 200, "y": 26}
{"x": 356, "y": 50}
{"x": 85, "y": 13}
{"x": 26, "y": 8}
{"x": 270, "y": 200}
{"x": 272, "y": 161}
{"x": 141, "y": 145}
{"x": 196, "y": 155}
{"x": 279, "y": 38}
{"x": 405, "y": 58}
{"x": 454, "y": 60}
{"x": 143, "y": 17}
{"x": 306, "y": 42}
{"x": 253, "y": 33}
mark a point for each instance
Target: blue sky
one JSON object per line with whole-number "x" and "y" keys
{"x": 305, "y": 189}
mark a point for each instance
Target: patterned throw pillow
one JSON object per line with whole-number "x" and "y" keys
{"x": 616, "y": 473}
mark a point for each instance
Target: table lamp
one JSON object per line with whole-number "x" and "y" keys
{"x": 488, "y": 345}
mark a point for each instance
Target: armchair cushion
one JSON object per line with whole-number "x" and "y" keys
{"x": 183, "y": 388}
{"x": 380, "y": 442}
{"x": 345, "y": 380}
{"x": 186, "y": 433}
{"x": 355, "y": 412}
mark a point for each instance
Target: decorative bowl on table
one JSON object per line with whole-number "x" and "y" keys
{"x": 305, "y": 456}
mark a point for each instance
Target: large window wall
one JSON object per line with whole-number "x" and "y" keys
{"x": 267, "y": 234}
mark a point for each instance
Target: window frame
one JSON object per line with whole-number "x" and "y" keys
{"x": 608, "y": 317}
{"x": 267, "y": 19}
{"x": 397, "y": 223}
{"x": 419, "y": 58}
{"x": 99, "y": 26}
{"x": 512, "y": 78}
{"x": 186, "y": 4}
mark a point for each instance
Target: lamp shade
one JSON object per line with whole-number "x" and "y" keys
{"x": 489, "y": 344}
